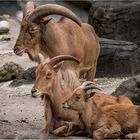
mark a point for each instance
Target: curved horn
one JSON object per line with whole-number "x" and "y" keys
{"x": 51, "y": 9}
{"x": 90, "y": 87}
{"x": 60, "y": 58}
{"x": 29, "y": 8}
{"x": 86, "y": 83}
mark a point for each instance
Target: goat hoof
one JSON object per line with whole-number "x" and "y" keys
{"x": 69, "y": 125}
{"x": 132, "y": 136}
{"x": 45, "y": 132}
{"x": 60, "y": 130}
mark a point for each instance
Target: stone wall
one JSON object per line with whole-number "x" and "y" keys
{"x": 122, "y": 22}
{"x": 118, "y": 58}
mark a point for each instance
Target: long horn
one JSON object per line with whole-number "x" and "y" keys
{"x": 90, "y": 87}
{"x": 29, "y": 8}
{"x": 60, "y": 58}
{"x": 86, "y": 83}
{"x": 53, "y": 9}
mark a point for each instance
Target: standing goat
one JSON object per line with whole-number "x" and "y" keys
{"x": 57, "y": 85}
{"x": 39, "y": 34}
{"x": 106, "y": 118}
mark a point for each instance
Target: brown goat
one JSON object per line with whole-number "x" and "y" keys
{"x": 99, "y": 97}
{"x": 67, "y": 37}
{"x": 51, "y": 84}
{"x": 104, "y": 116}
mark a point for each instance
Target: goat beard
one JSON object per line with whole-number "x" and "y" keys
{"x": 45, "y": 96}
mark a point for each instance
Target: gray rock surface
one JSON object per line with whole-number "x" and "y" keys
{"x": 114, "y": 4}
{"x": 122, "y": 24}
{"x": 130, "y": 88}
{"x": 9, "y": 7}
{"x": 118, "y": 58}
{"x": 85, "y": 4}
{"x": 10, "y": 71}
{"x": 26, "y": 77}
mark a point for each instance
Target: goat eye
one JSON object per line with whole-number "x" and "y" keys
{"x": 48, "y": 76}
{"x": 48, "y": 73}
{"x": 77, "y": 97}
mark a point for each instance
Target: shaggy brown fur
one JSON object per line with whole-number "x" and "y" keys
{"x": 105, "y": 116}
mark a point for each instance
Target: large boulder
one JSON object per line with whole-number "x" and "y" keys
{"x": 26, "y": 77}
{"x": 10, "y": 71}
{"x": 118, "y": 58}
{"x": 130, "y": 88}
{"x": 122, "y": 22}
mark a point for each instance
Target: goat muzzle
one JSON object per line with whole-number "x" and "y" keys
{"x": 18, "y": 51}
{"x": 34, "y": 93}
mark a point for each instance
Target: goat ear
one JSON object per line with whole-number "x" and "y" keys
{"x": 40, "y": 58}
{"x": 58, "y": 66}
{"x": 89, "y": 95}
{"x": 46, "y": 20}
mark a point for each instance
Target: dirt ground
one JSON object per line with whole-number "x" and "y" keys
{"x": 22, "y": 116}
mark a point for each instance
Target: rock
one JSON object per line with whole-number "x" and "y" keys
{"x": 130, "y": 88}
{"x": 122, "y": 22}
{"x": 26, "y": 77}
{"x": 118, "y": 58}
{"x": 10, "y": 71}
{"x": 5, "y": 37}
{"x": 9, "y": 7}
{"x": 19, "y": 15}
{"x": 28, "y": 74}
{"x": 4, "y": 26}
{"x": 86, "y": 4}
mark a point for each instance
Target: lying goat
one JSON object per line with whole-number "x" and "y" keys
{"x": 99, "y": 97}
{"x": 56, "y": 85}
{"x": 109, "y": 118}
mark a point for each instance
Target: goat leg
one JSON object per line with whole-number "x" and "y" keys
{"x": 60, "y": 130}
{"x": 109, "y": 130}
{"x": 132, "y": 136}
{"x": 68, "y": 129}
{"x": 48, "y": 117}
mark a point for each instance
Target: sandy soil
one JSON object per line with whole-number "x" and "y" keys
{"x": 22, "y": 116}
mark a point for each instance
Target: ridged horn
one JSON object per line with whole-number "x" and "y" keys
{"x": 29, "y": 8}
{"x": 86, "y": 83}
{"x": 53, "y": 9}
{"x": 55, "y": 60}
{"x": 90, "y": 87}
